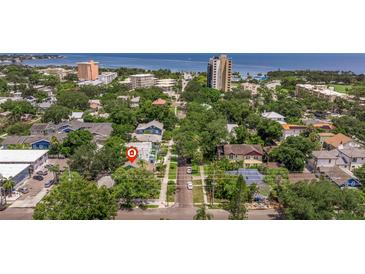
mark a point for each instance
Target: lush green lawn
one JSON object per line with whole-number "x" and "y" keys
{"x": 196, "y": 170}
{"x": 173, "y": 171}
{"x": 206, "y": 170}
{"x": 171, "y": 188}
{"x": 198, "y": 194}
{"x": 173, "y": 158}
{"x": 148, "y": 206}
{"x": 341, "y": 88}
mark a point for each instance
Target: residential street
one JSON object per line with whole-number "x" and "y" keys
{"x": 172, "y": 213}
{"x": 184, "y": 196}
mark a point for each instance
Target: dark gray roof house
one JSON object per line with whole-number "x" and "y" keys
{"x": 101, "y": 131}
{"x": 31, "y": 139}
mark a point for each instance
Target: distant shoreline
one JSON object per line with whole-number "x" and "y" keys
{"x": 18, "y": 58}
{"x": 252, "y": 63}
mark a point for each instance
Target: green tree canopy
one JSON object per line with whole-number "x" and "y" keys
{"x": 56, "y": 113}
{"x": 320, "y": 201}
{"x": 76, "y": 139}
{"x": 73, "y": 99}
{"x": 75, "y": 198}
{"x": 135, "y": 184}
{"x": 269, "y": 131}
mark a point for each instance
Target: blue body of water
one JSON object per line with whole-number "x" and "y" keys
{"x": 252, "y": 63}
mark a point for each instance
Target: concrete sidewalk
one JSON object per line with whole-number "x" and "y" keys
{"x": 30, "y": 201}
{"x": 163, "y": 191}
{"x": 202, "y": 174}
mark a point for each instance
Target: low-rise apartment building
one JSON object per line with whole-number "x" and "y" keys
{"x": 167, "y": 85}
{"x": 250, "y": 87}
{"x": 107, "y": 77}
{"x": 321, "y": 91}
{"x": 142, "y": 80}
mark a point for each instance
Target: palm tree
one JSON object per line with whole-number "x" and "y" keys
{"x": 8, "y": 186}
{"x": 202, "y": 214}
{"x": 55, "y": 170}
{"x": 16, "y": 114}
{"x": 2, "y": 198}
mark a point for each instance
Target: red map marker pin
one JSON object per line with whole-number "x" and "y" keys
{"x": 132, "y": 154}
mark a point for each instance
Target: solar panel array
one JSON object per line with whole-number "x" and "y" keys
{"x": 251, "y": 176}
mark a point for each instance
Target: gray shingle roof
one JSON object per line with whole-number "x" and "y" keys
{"x": 152, "y": 123}
{"x": 154, "y": 138}
{"x": 325, "y": 154}
{"x": 242, "y": 149}
{"x": 353, "y": 152}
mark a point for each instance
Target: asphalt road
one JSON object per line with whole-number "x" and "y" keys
{"x": 183, "y": 196}
{"x": 171, "y": 213}
{"x": 20, "y": 213}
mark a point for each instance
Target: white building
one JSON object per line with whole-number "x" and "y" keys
{"x": 144, "y": 150}
{"x": 325, "y": 158}
{"x": 231, "y": 127}
{"x": 167, "y": 85}
{"x": 273, "y": 84}
{"x": 107, "y": 77}
{"x": 77, "y": 116}
{"x": 354, "y": 157}
{"x": 142, "y": 80}
{"x": 250, "y": 87}
{"x": 4, "y": 99}
{"x": 321, "y": 91}
{"x": 17, "y": 172}
{"x": 292, "y": 130}
{"x": 33, "y": 157}
{"x": 345, "y": 158}
{"x": 274, "y": 116}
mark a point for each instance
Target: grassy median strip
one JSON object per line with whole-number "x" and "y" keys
{"x": 173, "y": 171}
{"x": 195, "y": 170}
{"x": 197, "y": 192}
{"x": 171, "y": 189}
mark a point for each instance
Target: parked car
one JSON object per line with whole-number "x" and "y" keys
{"x": 38, "y": 177}
{"x": 189, "y": 170}
{"x": 41, "y": 172}
{"x": 189, "y": 185}
{"x": 23, "y": 190}
{"x": 49, "y": 183}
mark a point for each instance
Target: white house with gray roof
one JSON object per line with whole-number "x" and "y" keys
{"x": 346, "y": 158}
{"x": 274, "y": 116}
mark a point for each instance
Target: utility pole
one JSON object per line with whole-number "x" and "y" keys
{"x": 69, "y": 174}
{"x": 213, "y": 184}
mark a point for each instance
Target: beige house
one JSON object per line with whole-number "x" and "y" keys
{"x": 250, "y": 154}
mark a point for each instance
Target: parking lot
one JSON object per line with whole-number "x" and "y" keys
{"x": 36, "y": 188}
